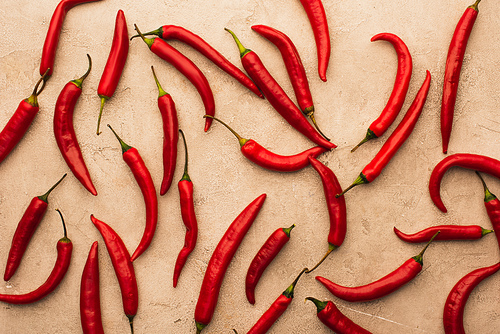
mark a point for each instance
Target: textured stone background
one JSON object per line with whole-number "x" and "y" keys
{"x": 360, "y": 79}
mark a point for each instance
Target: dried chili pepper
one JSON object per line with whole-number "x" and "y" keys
{"x": 141, "y": 174}
{"x": 163, "y": 50}
{"x": 185, "y": 186}
{"x": 90, "y": 306}
{"x": 492, "y": 205}
{"x": 20, "y": 121}
{"x": 331, "y": 316}
{"x": 454, "y": 62}
{"x": 221, "y": 257}
{"x": 398, "y": 95}
{"x": 448, "y": 232}
{"x": 266, "y": 254}
{"x": 64, "y": 250}
{"x": 256, "y": 153}
{"x": 124, "y": 268}
{"x": 317, "y": 18}
{"x": 115, "y": 64}
{"x": 397, "y": 138}
{"x": 25, "y": 230}
{"x": 52, "y": 38}
{"x": 477, "y": 162}
{"x": 382, "y": 287}
{"x": 169, "y": 32}
{"x": 277, "y": 96}
{"x": 453, "y": 314}
{"x": 294, "y": 67}
{"x": 64, "y": 131}
{"x": 277, "y": 308}
{"x": 337, "y": 210}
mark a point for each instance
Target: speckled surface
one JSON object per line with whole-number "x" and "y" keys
{"x": 360, "y": 79}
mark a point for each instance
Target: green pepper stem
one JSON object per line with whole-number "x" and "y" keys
{"x": 488, "y": 196}
{"x": 331, "y": 248}
{"x": 131, "y": 322}
{"x": 288, "y": 230}
{"x": 320, "y": 306}
{"x": 241, "y": 48}
{"x": 64, "y": 224}
{"x": 103, "y": 100}
{"x": 124, "y": 146}
{"x": 148, "y": 41}
{"x": 419, "y": 257}
{"x": 360, "y": 180}
{"x": 45, "y": 196}
{"x": 33, "y": 99}
{"x": 369, "y": 136}
{"x": 79, "y": 82}
{"x": 485, "y": 231}
{"x": 311, "y": 116}
{"x": 240, "y": 139}
{"x": 160, "y": 89}
{"x": 158, "y": 32}
{"x": 289, "y": 291}
{"x": 474, "y": 6}
{"x": 186, "y": 175}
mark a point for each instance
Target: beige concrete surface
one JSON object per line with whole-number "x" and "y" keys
{"x": 360, "y": 79}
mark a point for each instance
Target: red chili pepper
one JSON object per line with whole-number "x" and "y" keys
{"x": 25, "y": 230}
{"x": 123, "y": 266}
{"x": 277, "y": 308}
{"x": 52, "y": 38}
{"x": 317, "y": 17}
{"x": 221, "y": 257}
{"x": 141, "y": 174}
{"x": 254, "y": 152}
{"x": 448, "y": 232}
{"x": 453, "y": 314}
{"x": 382, "y": 287}
{"x": 454, "y": 62}
{"x": 477, "y": 162}
{"x": 294, "y": 67}
{"x": 170, "y": 135}
{"x": 331, "y": 316}
{"x": 398, "y": 95}
{"x": 20, "y": 121}
{"x": 277, "y": 96}
{"x": 266, "y": 254}
{"x": 90, "y": 306}
{"x": 188, "y": 216}
{"x": 115, "y": 64}
{"x": 492, "y": 205}
{"x": 337, "y": 210}
{"x": 64, "y": 250}
{"x": 169, "y": 32}
{"x": 166, "y": 52}
{"x": 397, "y": 138}
{"x": 64, "y": 131}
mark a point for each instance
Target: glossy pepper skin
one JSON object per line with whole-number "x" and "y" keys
{"x": 25, "y": 230}
{"x": 492, "y": 205}
{"x": 454, "y": 62}
{"x": 141, "y": 174}
{"x": 90, "y": 306}
{"x": 64, "y": 131}
{"x": 476, "y": 162}
{"x": 453, "y": 314}
{"x": 277, "y": 96}
{"x": 266, "y": 254}
{"x": 52, "y": 38}
{"x": 448, "y": 232}
{"x": 220, "y": 260}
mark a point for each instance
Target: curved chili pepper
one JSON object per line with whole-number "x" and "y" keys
{"x": 123, "y": 266}
{"x": 25, "y": 230}
{"x": 115, "y": 64}
{"x": 492, "y": 205}
{"x": 168, "y": 113}
{"x": 453, "y": 314}
{"x": 52, "y": 38}
{"x": 397, "y": 138}
{"x": 448, "y": 232}
{"x": 221, "y": 257}
{"x": 257, "y": 154}
{"x": 90, "y": 306}
{"x": 454, "y": 62}
{"x": 382, "y": 287}
{"x": 188, "y": 216}
{"x": 337, "y": 210}
{"x": 20, "y": 121}
{"x": 477, "y": 162}
{"x": 141, "y": 174}
{"x": 166, "y": 52}
{"x": 331, "y": 316}
{"x": 317, "y": 18}
{"x": 266, "y": 254}
{"x": 398, "y": 95}
{"x": 277, "y": 308}
{"x": 64, "y": 131}
{"x": 277, "y": 96}
{"x": 64, "y": 250}
{"x": 168, "y": 32}
{"x": 294, "y": 67}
